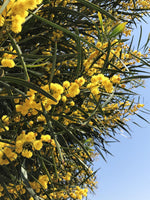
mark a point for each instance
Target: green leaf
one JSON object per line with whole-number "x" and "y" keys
{"x": 116, "y": 30}
{"x": 148, "y": 39}
{"x": 27, "y": 84}
{"x": 107, "y": 57}
{"x": 139, "y": 37}
{"x": 142, "y": 118}
{"x": 79, "y": 57}
{"x": 54, "y": 64}
{"x": 19, "y": 53}
{"x": 76, "y": 37}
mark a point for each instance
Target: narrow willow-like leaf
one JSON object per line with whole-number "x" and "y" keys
{"x": 137, "y": 77}
{"x": 107, "y": 57}
{"x": 101, "y": 21}
{"x": 53, "y": 133}
{"x": 45, "y": 168}
{"x": 110, "y": 98}
{"x": 9, "y": 87}
{"x": 93, "y": 113}
{"x": 121, "y": 124}
{"x": 118, "y": 29}
{"x": 19, "y": 52}
{"x": 130, "y": 44}
{"x": 142, "y": 118}
{"x": 139, "y": 38}
{"x": 50, "y": 23}
{"x": 79, "y": 57}
{"x": 53, "y": 64}
{"x": 81, "y": 162}
{"x": 27, "y": 84}
{"x": 148, "y": 39}
{"x": 90, "y": 175}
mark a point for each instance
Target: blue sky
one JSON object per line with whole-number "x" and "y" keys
{"x": 126, "y": 175}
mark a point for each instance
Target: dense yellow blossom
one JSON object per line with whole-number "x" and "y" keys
{"x": 91, "y": 79}
{"x": 73, "y": 90}
{"x": 7, "y": 63}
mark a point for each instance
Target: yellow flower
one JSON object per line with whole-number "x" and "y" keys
{"x": 26, "y": 153}
{"x": 64, "y": 99}
{"x": 46, "y": 138}
{"x": 19, "y": 146}
{"x": 30, "y": 137}
{"x": 9, "y": 153}
{"x": 17, "y": 19}
{"x": 53, "y": 143}
{"x": 95, "y": 90}
{"x": 56, "y": 88}
{"x": 66, "y": 84}
{"x": 39, "y": 1}
{"x": 16, "y": 27}
{"x": 41, "y": 118}
{"x": 72, "y": 103}
{"x": 140, "y": 105}
{"x": 38, "y": 144}
{"x": 80, "y": 81}
{"x": 68, "y": 176}
{"x": 7, "y": 63}
{"x": 116, "y": 79}
{"x": 73, "y": 90}
{"x": 43, "y": 180}
{"x": 31, "y": 4}
{"x": 5, "y": 119}
{"x": 73, "y": 195}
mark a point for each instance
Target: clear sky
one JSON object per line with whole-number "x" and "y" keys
{"x": 126, "y": 175}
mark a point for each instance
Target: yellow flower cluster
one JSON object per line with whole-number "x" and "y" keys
{"x": 6, "y": 62}
{"x": 57, "y": 141}
{"x": 8, "y": 59}
{"x": 5, "y": 120}
{"x": 7, "y": 153}
{"x": 73, "y": 90}
{"x": 16, "y": 11}
{"x": 42, "y": 183}
{"x": 100, "y": 80}
{"x": 16, "y": 189}
{"x": 57, "y": 35}
{"x": 115, "y": 79}
{"x": 79, "y": 193}
{"x": 26, "y": 143}
{"x": 32, "y": 104}
{"x": 141, "y": 4}
{"x": 29, "y": 105}
{"x": 67, "y": 177}
{"x": 56, "y": 90}
{"x": 74, "y": 87}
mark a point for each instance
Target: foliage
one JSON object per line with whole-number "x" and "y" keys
{"x": 67, "y": 80}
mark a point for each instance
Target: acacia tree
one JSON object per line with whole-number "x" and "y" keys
{"x": 67, "y": 83}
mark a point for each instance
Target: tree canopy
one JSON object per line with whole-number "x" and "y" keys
{"x": 68, "y": 76}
